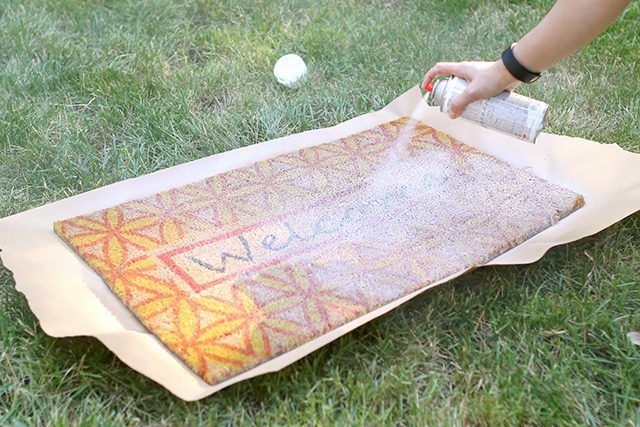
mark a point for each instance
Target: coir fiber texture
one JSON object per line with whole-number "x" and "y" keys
{"x": 243, "y": 266}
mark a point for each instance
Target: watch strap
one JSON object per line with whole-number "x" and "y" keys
{"x": 516, "y": 69}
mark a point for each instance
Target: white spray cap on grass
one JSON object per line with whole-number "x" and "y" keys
{"x": 289, "y": 70}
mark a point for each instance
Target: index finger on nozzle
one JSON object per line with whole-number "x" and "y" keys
{"x": 440, "y": 68}
{"x": 427, "y": 84}
{"x": 428, "y": 78}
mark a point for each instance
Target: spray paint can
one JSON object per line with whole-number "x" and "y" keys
{"x": 506, "y": 112}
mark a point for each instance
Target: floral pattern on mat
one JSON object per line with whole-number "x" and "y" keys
{"x": 238, "y": 268}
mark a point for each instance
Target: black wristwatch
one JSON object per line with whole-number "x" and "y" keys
{"x": 516, "y": 69}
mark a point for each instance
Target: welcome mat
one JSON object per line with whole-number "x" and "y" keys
{"x": 236, "y": 269}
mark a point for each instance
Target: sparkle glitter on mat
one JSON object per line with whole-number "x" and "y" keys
{"x": 243, "y": 266}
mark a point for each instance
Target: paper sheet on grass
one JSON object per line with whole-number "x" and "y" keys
{"x": 70, "y": 299}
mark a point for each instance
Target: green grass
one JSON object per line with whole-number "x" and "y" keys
{"x": 98, "y": 91}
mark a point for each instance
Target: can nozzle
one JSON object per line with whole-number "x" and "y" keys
{"x": 429, "y": 87}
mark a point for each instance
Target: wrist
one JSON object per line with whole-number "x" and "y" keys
{"x": 505, "y": 78}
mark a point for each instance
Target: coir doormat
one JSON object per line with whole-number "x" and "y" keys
{"x": 243, "y": 266}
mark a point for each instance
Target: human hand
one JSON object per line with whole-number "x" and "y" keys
{"x": 484, "y": 80}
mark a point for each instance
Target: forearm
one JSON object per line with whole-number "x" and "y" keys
{"x": 568, "y": 26}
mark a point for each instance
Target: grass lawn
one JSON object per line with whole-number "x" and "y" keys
{"x": 97, "y": 91}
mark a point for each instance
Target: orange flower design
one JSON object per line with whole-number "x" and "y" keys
{"x": 319, "y": 307}
{"x": 126, "y": 277}
{"x": 112, "y": 230}
{"x": 206, "y": 329}
{"x": 170, "y": 213}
